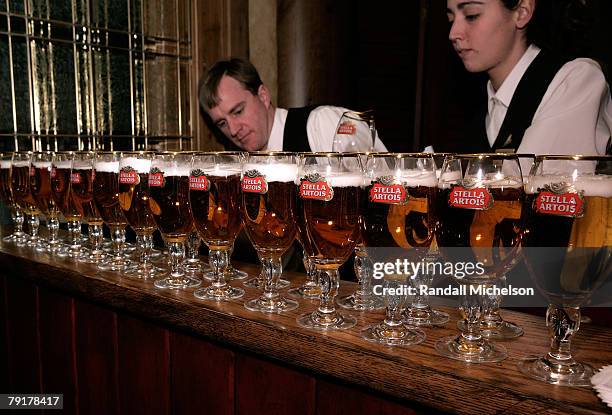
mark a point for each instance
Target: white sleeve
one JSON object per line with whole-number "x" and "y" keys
{"x": 321, "y": 127}
{"x": 575, "y": 114}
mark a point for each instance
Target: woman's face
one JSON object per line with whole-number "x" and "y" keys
{"x": 485, "y": 34}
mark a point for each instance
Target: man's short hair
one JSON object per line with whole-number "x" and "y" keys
{"x": 241, "y": 70}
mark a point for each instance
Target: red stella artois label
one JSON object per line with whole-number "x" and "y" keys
{"x": 75, "y": 178}
{"x": 254, "y": 182}
{"x": 156, "y": 177}
{"x": 32, "y": 171}
{"x": 314, "y": 186}
{"x": 346, "y": 127}
{"x": 53, "y": 172}
{"x": 198, "y": 181}
{"x": 386, "y": 190}
{"x": 127, "y": 175}
{"x": 559, "y": 199}
{"x": 477, "y": 198}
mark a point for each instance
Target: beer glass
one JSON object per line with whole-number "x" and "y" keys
{"x": 134, "y": 170}
{"x": 479, "y": 222}
{"x": 268, "y": 206}
{"x": 61, "y": 166}
{"x": 18, "y": 236}
{"x": 568, "y": 250}
{"x": 398, "y": 224}
{"x": 171, "y": 210}
{"x": 106, "y": 199}
{"x": 82, "y": 189}
{"x": 356, "y": 131}
{"x": 331, "y": 187}
{"x": 40, "y": 185}
{"x": 20, "y": 187}
{"x": 214, "y": 193}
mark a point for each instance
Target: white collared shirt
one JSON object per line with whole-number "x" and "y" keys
{"x": 574, "y": 116}
{"x": 320, "y": 128}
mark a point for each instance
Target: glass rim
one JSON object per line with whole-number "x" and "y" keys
{"x": 332, "y": 154}
{"x": 499, "y": 156}
{"x": 279, "y": 153}
{"x": 220, "y": 153}
{"x": 576, "y": 157}
{"x": 401, "y": 155}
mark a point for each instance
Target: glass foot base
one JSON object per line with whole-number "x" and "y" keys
{"x": 145, "y": 274}
{"x": 425, "y": 317}
{"x": 219, "y": 293}
{"x": 117, "y": 265}
{"x": 319, "y": 321}
{"x": 256, "y": 283}
{"x": 574, "y": 374}
{"x": 177, "y": 283}
{"x": 505, "y": 330}
{"x": 402, "y": 335}
{"x": 233, "y": 274}
{"x": 354, "y": 302}
{"x": 306, "y": 291}
{"x": 482, "y": 352}
{"x": 266, "y": 305}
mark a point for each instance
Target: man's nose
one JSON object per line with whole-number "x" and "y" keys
{"x": 233, "y": 127}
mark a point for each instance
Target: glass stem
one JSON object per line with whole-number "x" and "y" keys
{"x": 74, "y": 230}
{"x": 311, "y": 275}
{"x": 471, "y": 310}
{"x": 219, "y": 262}
{"x": 145, "y": 242}
{"x": 34, "y": 223}
{"x": 53, "y": 226}
{"x": 420, "y": 301}
{"x": 118, "y": 239}
{"x": 273, "y": 269}
{"x": 193, "y": 245}
{"x": 362, "y": 267}
{"x": 329, "y": 282}
{"x": 562, "y": 323}
{"x": 96, "y": 238}
{"x": 18, "y": 219}
{"x": 176, "y": 251}
{"x": 395, "y": 303}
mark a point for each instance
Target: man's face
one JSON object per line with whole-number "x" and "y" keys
{"x": 483, "y": 33}
{"x": 242, "y": 116}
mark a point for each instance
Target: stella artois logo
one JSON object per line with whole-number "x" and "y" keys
{"x": 128, "y": 175}
{"x": 32, "y": 171}
{"x": 156, "y": 177}
{"x": 560, "y": 199}
{"x": 198, "y": 181}
{"x": 53, "y": 172}
{"x": 347, "y": 127}
{"x": 75, "y": 178}
{"x": 386, "y": 189}
{"x": 469, "y": 196}
{"x": 314, "y": 186}
{"x": 254, "y": 182}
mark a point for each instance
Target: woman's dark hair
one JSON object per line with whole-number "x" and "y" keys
{"x": 561, "y": 26}
{"x": 241, "y": 70}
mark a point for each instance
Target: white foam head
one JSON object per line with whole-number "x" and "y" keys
{"x": 140, "y": 165}
{"x": 418, "y": 178}
{"x": 62, "y": 164}
{"x": 107, "y": 166}
{"x": 219, "y": 170}
{"x": 5, "y": 164}
{"x": 591, "y": 185}
{"x": 345, "y": 180}
{"x": 173, "y": 170}
{"x": 21, "y": 163}
{"x": 275, "y": 172}
{"x": 41, "y": 164}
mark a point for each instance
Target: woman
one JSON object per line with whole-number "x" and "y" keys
{"x": 537, "y": 102}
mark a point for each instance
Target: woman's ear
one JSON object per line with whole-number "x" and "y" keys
{"x": 524, "y": 13}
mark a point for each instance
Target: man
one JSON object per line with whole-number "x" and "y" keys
{"x": 239, "y": 104}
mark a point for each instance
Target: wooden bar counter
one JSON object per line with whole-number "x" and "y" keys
{"x": 112, "y": 344}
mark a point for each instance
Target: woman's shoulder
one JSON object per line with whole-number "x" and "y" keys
{"x": 581, "y": 68}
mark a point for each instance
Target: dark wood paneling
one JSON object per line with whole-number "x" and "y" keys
{"x": 23, "y": 346}
{"x": 263, "y": 387}
{"x": 57, "y": 341}
{"x": 202, "y": 376}
{"x": 96, "y": 341}
{"x": 335, "y": 399}
{"x": 4, "y": 368}
{"x": 144, "y": 370}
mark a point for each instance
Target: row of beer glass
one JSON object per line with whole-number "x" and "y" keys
{"x": 336, "y": 204}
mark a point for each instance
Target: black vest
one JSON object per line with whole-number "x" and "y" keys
{"x": 525, "y": 101}
{"x": 295, "y": 135}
